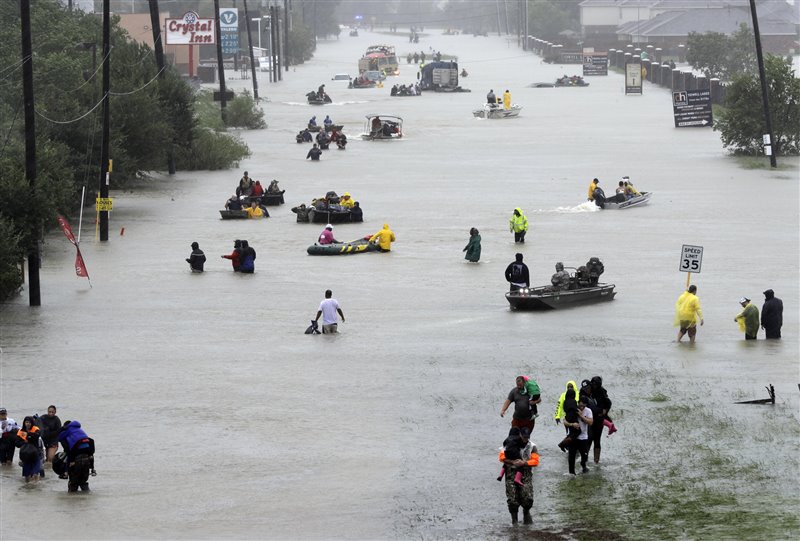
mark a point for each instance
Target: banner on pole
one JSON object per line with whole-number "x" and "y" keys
{"x": 80, "y": 265}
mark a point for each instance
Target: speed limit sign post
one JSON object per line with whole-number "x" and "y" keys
{"x": 691, "y": 261}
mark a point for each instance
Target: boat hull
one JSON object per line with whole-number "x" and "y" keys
{"x": 637, "y": 201}
{"x": 317, "y": 216}
{"x": 545, "y": 298}
{"x": 360, "y": 246}
{"x": 233, "y": 214}
{"x": 497, "y": 112}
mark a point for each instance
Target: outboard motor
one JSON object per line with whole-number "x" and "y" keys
{"x": 599, "y": 197}
{"x": 595, "y": 268}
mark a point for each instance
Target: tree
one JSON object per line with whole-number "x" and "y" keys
{"x": 721, "y": 56}
{"x": 548, "y": 18}
{"x": 741, "y": 124}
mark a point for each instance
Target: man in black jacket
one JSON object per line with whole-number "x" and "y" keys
{"x": 772, "y": 315}
{"x": 197, "y": 258}
{"x": 517, "y": 274}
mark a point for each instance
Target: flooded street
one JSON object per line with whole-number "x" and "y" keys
{"x": 216, "y": 417}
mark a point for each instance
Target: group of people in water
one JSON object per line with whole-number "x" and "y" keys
{"x": 582, "y": 411}
{"x": 566, "y": 80}
{"x": 326, "y": 134}
{"x": 38, "y": 438}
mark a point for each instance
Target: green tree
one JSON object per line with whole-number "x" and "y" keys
{"x": 741, "y": 124}
{"x": 721, "y": 56}
{"x": 548, "y": 18}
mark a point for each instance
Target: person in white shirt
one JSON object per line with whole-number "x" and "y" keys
{"x": 582, "y": 442}
{"x": 328, "y": 309}
{"x": 8, "y": 428}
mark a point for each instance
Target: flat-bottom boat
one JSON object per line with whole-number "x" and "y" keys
{"x": 497, "y": 111}
{"x": 548, "y": 298}
{"x": 636, "y": 201}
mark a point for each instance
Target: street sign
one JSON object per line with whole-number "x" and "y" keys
{"x": 691, "y": 259}
{"x": 104, "y": 204}
{"x": 229, "y": 30}
{"x": 633, "y": 78}
{"x": 595, "y": 64}
{"x": 692, "y": 109}
{"x": 218, "y": 95}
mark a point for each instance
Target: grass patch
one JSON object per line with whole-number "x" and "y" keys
{"x": 785, "y": 163}
{"x": 658, "y": 397}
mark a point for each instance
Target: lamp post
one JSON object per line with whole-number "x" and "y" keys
{"x": 258, "y": 20}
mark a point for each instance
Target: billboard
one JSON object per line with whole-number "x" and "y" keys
{"x": 190, "y": 30}
{"x": 595, "y": 64}
{"x": 692, "y": 109}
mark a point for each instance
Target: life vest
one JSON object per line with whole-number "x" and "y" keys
{"x": 532, "y": 462}
{"x": 23, "y": 435}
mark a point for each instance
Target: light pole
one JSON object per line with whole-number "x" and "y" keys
{"x": 258, "y": 20}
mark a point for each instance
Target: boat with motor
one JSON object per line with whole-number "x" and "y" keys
{"x": 548, "y": 298}
{"x": 581, "y": 287}
{"x": 314, "y": 99}
{"x": 382, "y": 128}
{"x": 490, "y": 110}
{"x": 575, "y": 80}
{"x": 359, "y": 246}
{"x": 328, "y": 210}
{"x": 636, "y": 201}
{"x": 362, "y": 82}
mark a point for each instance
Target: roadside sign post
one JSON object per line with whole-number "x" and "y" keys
{"x": 691, "y": 261}
{"x": 692, "y": 108}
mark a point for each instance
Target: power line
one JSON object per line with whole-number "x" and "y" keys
{"x": 74, "y": 119}
{"x": 140, "y": 88}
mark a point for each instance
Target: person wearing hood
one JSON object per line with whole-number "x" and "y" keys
{"x": 248, "y": 259}
{"x": 326, "y": 237}
{"x": 748, "y": 319}
{"x": 772, "y": 315}
{"x": 29, "y": 441}
{"x": 518, "y": 224}
{"x": 195, "y": 260}
{"x": 473, "y": 247}
{"x": 385, "y": 237}
{"x": 491, "y": 99}
{"x": 235, "y": 256}
{"x": 356, "y": 214}
{"x": 506, "y": 100}
{"x": 79, "y": 448}
{"x": 560, "y": 405}
{"x": 347, "y": 201}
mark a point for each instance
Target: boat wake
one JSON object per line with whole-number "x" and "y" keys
{"x": 304, "y": 103}
{"x": 586, "y": 206}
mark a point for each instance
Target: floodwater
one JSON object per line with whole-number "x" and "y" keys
{"x": 216, "y": 417}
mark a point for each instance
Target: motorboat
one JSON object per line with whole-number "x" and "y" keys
{"x": 382, "y": 128}
{"x": 361, "y": 82}
{"x": 359, "y": 246}
{"x": 549, "y": 298}
{"x": 497, "y": 111}
{"x": 314, "y": 99}
{"x": 233, "y": 214}
{"x": 635, "y": 201}
{"x": 562, "y": 82}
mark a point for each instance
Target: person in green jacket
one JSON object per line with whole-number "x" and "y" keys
{"x": 748, "y": 319}
{"x": 473, "y": 247}
{"x": 518, "y": 224}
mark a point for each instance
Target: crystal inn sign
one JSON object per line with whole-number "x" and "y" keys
{"x": 190, "y": 30}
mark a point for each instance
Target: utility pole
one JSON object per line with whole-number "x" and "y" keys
{"x": 287, "y": 25}
{"x": 273, "y": 30}
{"x": 497, "y": 7}
{"x": 769, "y": 138}
{"x": 250, "y": 48}
{"x": 155, "y": 24}
{"x": 34, "y": 292}
{"x": 278, "y": 40}
{"x": 105, "y": 169}
{"x": 220, "y": 65}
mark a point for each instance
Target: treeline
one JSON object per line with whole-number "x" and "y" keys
{"x": 151, "y": 116}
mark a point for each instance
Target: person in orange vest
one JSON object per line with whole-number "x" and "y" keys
{"x": 30, "y": 453}
{"x": 519, "y": 492}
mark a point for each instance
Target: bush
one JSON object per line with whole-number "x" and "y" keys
{"x": 212, "y": 150}
{"x": 243, "y": 113}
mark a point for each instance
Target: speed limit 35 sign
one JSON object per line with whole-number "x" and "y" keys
{"x": 691, "y": 259}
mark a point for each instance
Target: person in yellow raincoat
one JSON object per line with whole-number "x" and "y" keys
{"x": 630, "y": 191}
{"x": 518, "y": 224}
{"x": 560, "y": 406}
{"x": 347, "y": 201}
{"x": 506, "y": 99}
{"x": 255, "y": 211}
{"x": 688, "y": 313}
{"x": 592, "y": 187}
{"x": 385, "y": 237}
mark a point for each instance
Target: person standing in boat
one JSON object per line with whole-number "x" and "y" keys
{"x": 245, "y": 185}
{"x": 517, "y": 274}
{"x": 491, "y": 99}
{"x": 748, "y": 319}
{"x": 518, "y": 224}
{"x": 688, "y": 313}
{"x": 506, "y": 100}
{"x": 326, "y": 237}
{"x": 197, "y": 258}
{"x": 473, "y": 247}
{"x": 385, "y": 237}
{"x": 328, "y": 309}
